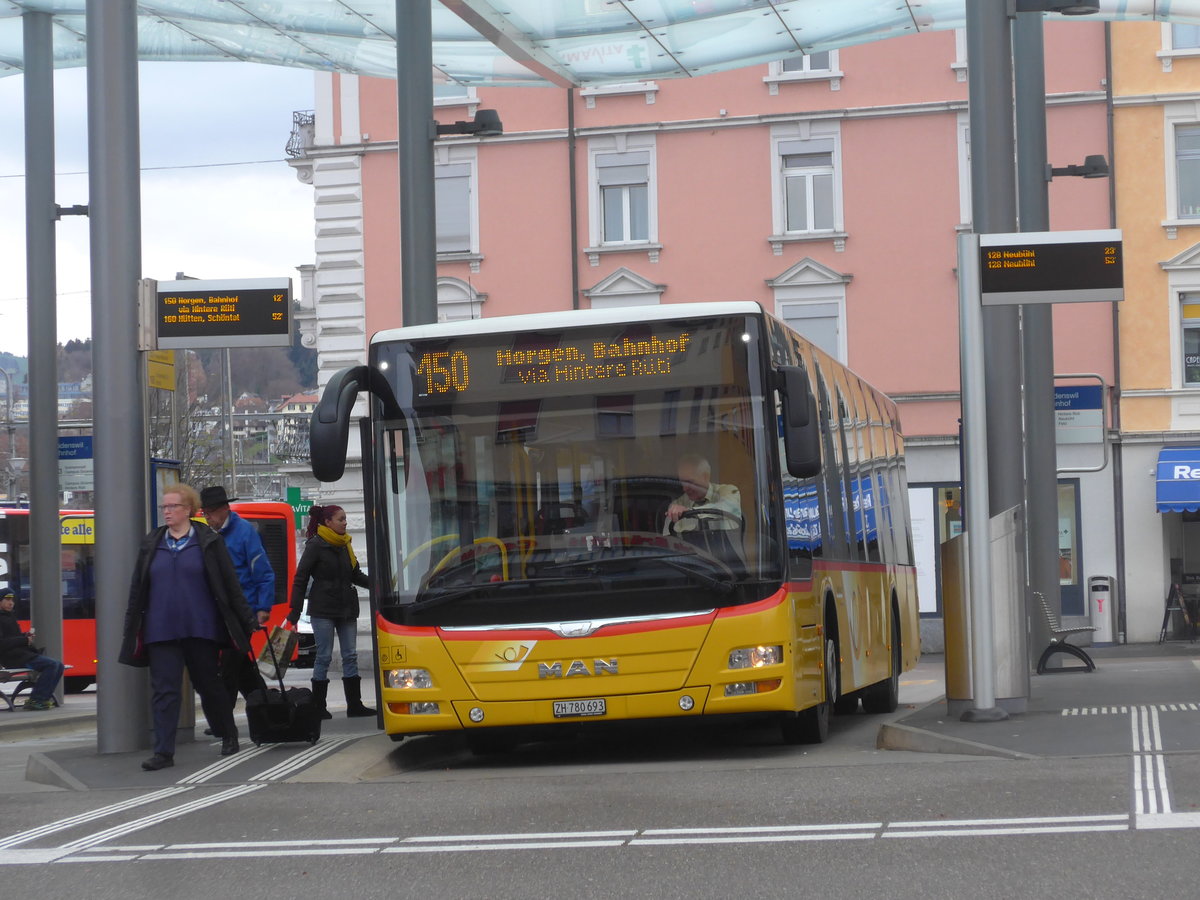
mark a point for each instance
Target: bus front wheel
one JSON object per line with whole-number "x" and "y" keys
{"x": 811, "y": 726}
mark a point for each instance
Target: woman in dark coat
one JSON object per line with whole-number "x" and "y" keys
{"x": 185, "y": 605}
{"x": 329, "y": 561}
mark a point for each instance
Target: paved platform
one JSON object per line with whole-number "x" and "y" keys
{"x": 1075, "y": 713}
{"x": 1069, "y": 714}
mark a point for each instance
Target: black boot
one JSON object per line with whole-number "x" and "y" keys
{"x": 320, "y": 689}
{"x": 354, "y": 704}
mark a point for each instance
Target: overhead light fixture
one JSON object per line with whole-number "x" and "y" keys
{"x": 486, "y": 123}
{"x": 1093, "y": 167}
{"x": 1063, "y": 7}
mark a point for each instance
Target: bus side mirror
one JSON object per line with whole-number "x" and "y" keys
{"x": 801, "y": 432}
{"x": 792, "y": 382}
{"x": 329, "y": 428}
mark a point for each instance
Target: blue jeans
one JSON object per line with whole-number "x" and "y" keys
{"x": 347, "y": 635}
{"x": 49, "y": 671}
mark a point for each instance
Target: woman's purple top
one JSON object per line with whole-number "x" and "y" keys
{"x": 180, "y": 603}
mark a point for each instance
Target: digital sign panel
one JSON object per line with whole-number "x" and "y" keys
{"x": 572, "y": 364}
{"x": 248, "y": 312}
{"x": 1051, "y": 267}
{"x": 610, "y": 359}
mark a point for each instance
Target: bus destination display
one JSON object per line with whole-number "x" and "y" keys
{"x": 1050, "y": 267}
{"x": 252, "y": 312}
{"x": 573, "y": 364}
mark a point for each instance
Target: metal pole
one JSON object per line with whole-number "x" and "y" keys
{"x": 45, "y": 582}
{"x": 1037, "y": 332}
{"x": 115, "y": 219}
{"x": 418, "y": 220}
{"x": 994, "y": 461}
{"x": 975, "y": 426}
{"x": 229, "y": 424}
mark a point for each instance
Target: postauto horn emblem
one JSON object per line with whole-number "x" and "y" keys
{"x": 577, "y": 667}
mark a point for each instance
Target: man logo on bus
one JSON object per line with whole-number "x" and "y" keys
{"x": 578, "y": 667}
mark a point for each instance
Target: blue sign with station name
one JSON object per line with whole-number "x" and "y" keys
{"x": 75, "y": 447}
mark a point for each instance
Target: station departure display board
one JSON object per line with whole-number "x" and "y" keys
{"x": 247, "y": 312}
{"x": 1051, "y": 267}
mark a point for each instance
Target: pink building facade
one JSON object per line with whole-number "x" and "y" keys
{"x": 828, "y": 189}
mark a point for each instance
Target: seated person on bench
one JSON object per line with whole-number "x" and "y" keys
{"x": 707, "y": 515}
{"x": 17, "y": 651}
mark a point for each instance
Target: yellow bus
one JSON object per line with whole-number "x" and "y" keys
{"x": 643, "y": 513}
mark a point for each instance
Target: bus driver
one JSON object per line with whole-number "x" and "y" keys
{"x": 704, "y": 508}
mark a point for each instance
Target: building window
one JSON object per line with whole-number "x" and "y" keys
{"x": 452, "y": 194}
{"x": 622, "y": 202}
{"x": 456, "y": 193}
{"x": 811, "y": 299}
{"x": 1187, "y": 170}
{"x": 624, "y": 182}
{"x": 807, "y": 170}
{"x": 451, "y": 93}
{"x": 1185, "y": 37}
{"x": 458, "y": 300}
{"x": 1190, "y": 327}
{"x": 816, "y": 66}
{"x": 623, "y": 288}
{"x": 809, "y": 62}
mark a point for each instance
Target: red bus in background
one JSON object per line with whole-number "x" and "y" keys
{"x": 275, "y": 522}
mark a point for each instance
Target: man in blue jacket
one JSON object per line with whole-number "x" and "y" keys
{"x": 254, "y": 573}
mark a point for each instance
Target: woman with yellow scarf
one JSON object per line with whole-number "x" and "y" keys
{"x": 329, "y": 563}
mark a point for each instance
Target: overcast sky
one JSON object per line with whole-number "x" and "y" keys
{"x": 210, "y": 221}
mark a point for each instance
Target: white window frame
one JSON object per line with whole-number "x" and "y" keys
{"x": 963, "y": 137}
{"x": 617, "y": 144}
{"x": 777, "y": 74}
{"x": 624, "y": 288}
{"x": 1169, "y": 52}
{"x": 959, "y": 66}
{"x": 458, "y": 300}
{"x": 809, "y": 286}
{"x": 1182, "y": 112}
{"x": 1184, "y": 325}
{"x": 468, "y": 99}
{"x": 622, "y": 89}
{"x": 445, "y": 156}
{"x": 783, "y": 139}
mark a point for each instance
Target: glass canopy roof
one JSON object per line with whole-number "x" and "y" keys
{"x": 519, "y": 42}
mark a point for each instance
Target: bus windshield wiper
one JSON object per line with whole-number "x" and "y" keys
{"x": 718, "y": 576}
{"x": 489, "y": 590}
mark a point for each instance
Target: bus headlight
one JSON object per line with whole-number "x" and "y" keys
{"x": 755, "y": 657}
{"x": 407, "y": 678}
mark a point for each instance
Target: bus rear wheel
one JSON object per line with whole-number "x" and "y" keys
{"x": 884, "y": 696}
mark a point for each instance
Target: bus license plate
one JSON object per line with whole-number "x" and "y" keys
{"x": 565, "y": 709}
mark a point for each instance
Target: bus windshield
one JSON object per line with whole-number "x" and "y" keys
{"x": 607, "y": 471}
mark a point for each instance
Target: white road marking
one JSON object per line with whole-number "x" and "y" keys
{"x": 300, "y": 760}
{"x": 63, "y": 824}
{"x": 1151, "y": 790}
{"x": 173, "y": 813}
{"x": 224, "y": 764}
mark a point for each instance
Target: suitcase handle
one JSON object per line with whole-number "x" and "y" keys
{"x": 274, "y": 660}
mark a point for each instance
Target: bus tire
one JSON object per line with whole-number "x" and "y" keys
{"x": 811, "y": 726}
{"x": 884, "y": 696}
{"x": 483, "y": 743}
{"x": 76, "y": 684}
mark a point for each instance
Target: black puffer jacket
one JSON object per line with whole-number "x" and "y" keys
{"x": 15, "y": 649}
{"x": 332, "y": 594}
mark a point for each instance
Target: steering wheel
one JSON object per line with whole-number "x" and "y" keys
{"x": 702, "y": 514}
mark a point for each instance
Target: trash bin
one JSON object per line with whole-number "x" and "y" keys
{"x": 1102, "y": 603}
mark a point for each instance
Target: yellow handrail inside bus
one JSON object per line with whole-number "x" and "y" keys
{"x": 483, "y": 540}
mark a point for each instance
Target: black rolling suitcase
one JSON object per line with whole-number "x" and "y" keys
{"x": 282, "y": 715}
